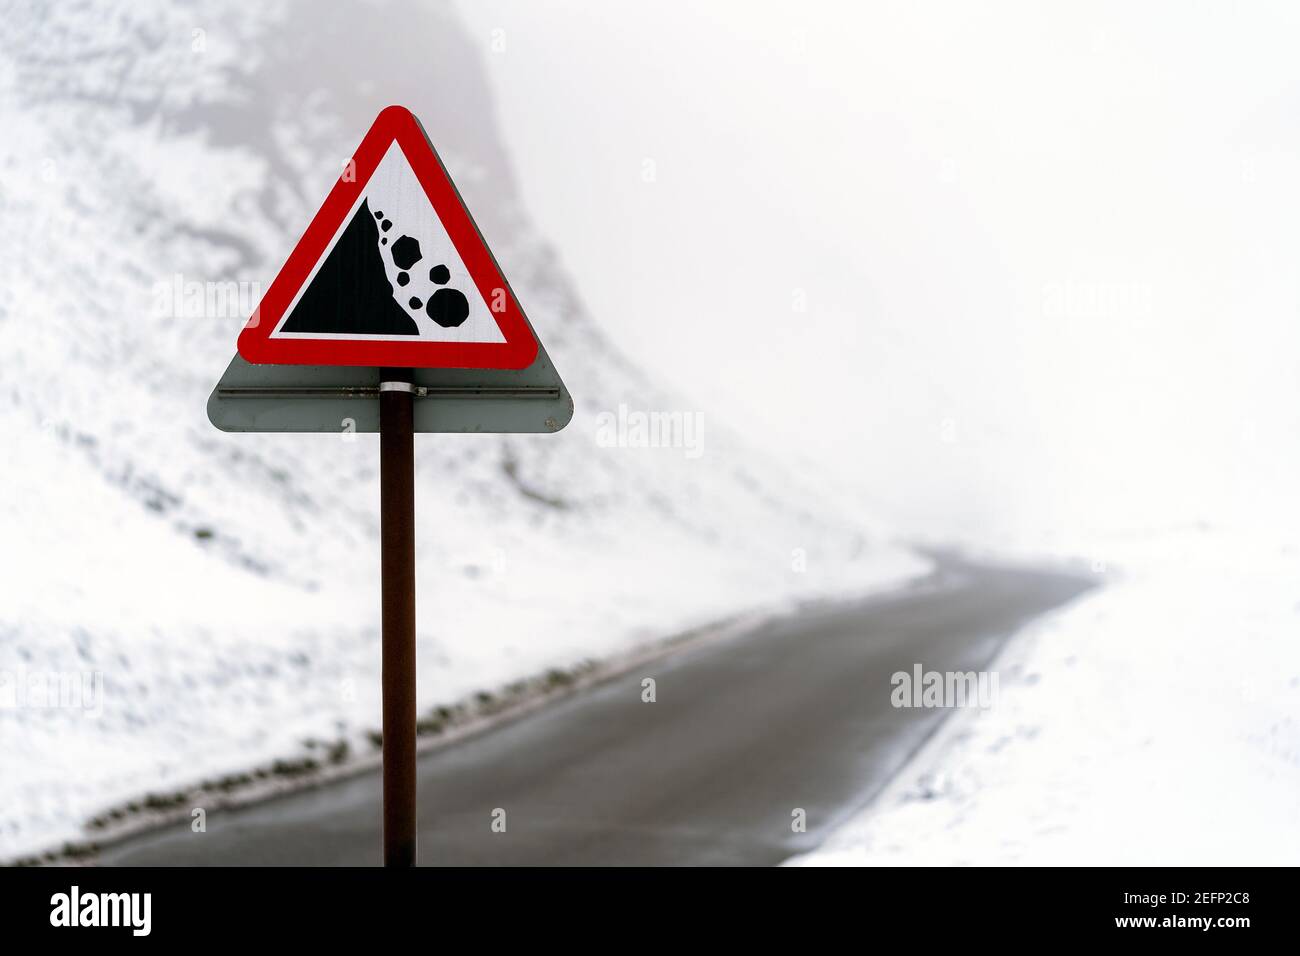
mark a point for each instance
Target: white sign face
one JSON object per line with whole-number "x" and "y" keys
{"x": 428, "y": 280}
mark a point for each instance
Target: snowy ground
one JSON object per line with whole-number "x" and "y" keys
{"x": 1154, "y": 721}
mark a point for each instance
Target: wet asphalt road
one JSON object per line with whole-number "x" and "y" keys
{"x": 795, "y": 714}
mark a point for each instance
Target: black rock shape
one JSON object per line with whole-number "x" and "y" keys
{"x": 386, "y": 225}
{"x": 415, "y": 302}
{"x": 448, "y": 307}
{"x": 439, "y": 274}
{"x": 406, "y": 252}
{"x": 351, "y": 292}
{"x": 403, "y": 278}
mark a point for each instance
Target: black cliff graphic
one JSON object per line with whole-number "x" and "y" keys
{"x": 351, "y": 293}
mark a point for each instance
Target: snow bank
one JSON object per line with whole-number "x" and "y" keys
{"x": 1156, "y": 721}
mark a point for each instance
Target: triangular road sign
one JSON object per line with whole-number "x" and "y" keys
{"x": 392, "y": 316}
{"x": 391, "y": 273}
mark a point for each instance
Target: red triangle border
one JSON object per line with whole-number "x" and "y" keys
{"x": 395, "y": 123}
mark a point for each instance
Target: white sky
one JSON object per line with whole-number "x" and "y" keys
{"x": 1048, "y": 253}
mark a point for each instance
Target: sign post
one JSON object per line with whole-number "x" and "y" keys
{"x": 392, "y": 316}
{"x": 397, "y": 569}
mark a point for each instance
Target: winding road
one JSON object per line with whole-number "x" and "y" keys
{"x": 795, "y": 714}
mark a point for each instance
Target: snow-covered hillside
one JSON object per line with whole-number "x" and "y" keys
{"x": 216, "y": 595}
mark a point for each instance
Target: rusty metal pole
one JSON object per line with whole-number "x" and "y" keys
{"x": 397, "y": 537}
